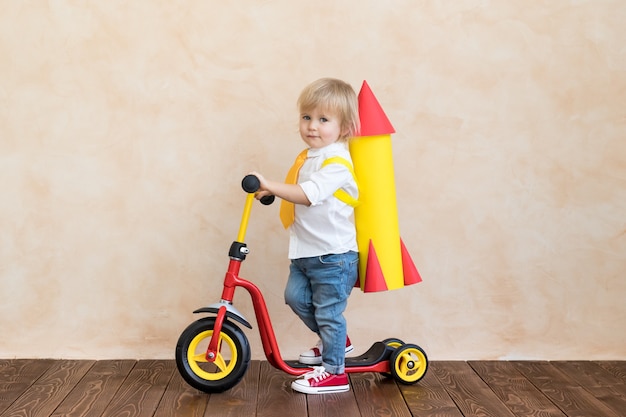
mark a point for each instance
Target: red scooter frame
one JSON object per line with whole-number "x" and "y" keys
{"x": 224, "y": 361}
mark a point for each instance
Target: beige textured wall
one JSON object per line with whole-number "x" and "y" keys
{"x": 125, "y": 128}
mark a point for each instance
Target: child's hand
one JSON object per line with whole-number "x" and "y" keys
{"x": 290, "y": 192}
{"x": 263, "y": 191}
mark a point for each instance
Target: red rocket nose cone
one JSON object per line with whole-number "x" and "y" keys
{"x": 374, "y": 121}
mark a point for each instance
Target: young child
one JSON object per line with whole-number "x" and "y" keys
{"x": 322, "y": 236}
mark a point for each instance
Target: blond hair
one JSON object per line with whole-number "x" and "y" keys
{"x": 336, "y": 96}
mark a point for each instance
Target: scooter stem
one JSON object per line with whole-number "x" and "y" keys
{"x": 241, "y": 236}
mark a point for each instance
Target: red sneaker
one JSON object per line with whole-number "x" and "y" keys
{"x": 318, "y": 381}
{"x": 313, "y": 356}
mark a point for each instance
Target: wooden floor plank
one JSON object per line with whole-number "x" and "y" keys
{"x": 241, "y": 400}
{"x": 43, "y": 396}
{"x": 470, "y": 393}
{"x": 429, "y": 398}
{"x": 17, "y": 375}
{"x": 615, "y": 368}
{"x": 378, "y": 396}
{"x": 276, "y": 398}
{"x": 95, "y": 390}
{"x": 563, "y": 391}
{"x": 181, "y": 400}
{"x": 603, "y": 385}
{"x": 142, "y": 390}
{"x": 341, "y": 404}
{"x": 588, "y": 373}
{"x": 514, "y": 390}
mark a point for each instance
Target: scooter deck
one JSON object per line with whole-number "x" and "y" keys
{"x": 378, "y": 352}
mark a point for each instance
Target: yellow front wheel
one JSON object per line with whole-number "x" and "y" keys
{"x": 228, "y": 367}
{"x": 408, "y": 364}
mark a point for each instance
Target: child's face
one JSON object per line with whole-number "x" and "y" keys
{"x": 319, "y": 128}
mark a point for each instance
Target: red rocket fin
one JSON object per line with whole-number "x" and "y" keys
{"x": 374, "y": 121}
{"x": 411, "y": 276}
{"x": 374, "y": 278}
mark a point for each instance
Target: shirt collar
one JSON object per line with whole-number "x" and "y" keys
{"x": 313, "y": 152}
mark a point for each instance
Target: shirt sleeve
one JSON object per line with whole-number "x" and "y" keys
{"x": 325, "y": 182}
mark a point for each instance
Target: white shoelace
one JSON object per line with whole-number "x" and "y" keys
{"x": 318, "y": 373}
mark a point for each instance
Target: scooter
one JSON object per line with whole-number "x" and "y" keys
{"x": 213, "y": 353}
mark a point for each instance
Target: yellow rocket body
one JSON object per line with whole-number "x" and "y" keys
{"x": 376, "y": 218}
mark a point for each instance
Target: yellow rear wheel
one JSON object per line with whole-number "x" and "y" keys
{"x": 393, "y": 342}
{"x": 408, "y": 364}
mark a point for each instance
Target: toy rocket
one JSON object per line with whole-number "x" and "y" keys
{"x": 384, "y": 263}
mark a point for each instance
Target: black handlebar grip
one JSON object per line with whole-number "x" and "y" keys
{"x": 267, "y": 200}
{"x": 250, "y": 183}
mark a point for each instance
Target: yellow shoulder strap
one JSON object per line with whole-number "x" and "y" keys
{"x": 340, "y": 194}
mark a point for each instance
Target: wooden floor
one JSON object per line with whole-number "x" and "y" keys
{"x": 126, "y": 388}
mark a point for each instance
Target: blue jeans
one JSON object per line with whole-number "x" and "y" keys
{"x": 317, "y": 291}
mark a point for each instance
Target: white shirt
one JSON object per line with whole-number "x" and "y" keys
{"x": 326, "y": 226}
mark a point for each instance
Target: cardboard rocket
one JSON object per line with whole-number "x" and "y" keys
{"x": 385, "y": 263}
